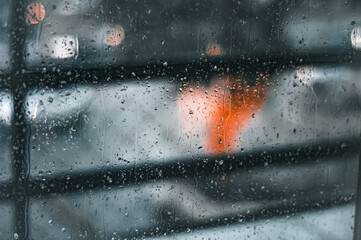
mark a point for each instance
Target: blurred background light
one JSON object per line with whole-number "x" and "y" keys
{"x": 356, "y": 38}
{"x": 35, "y": 13}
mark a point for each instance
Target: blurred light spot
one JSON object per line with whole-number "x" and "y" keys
{"x": 305, "y": 74}
{"x": 224, "y": 109}
{"x": 356, "y": 38}
{"x": 214, "y": 49}
{"x": 33, "y": 116}
{"x": 5, "y": 111}
{"x": 34, "y": 13}
{"x": 114, "y": 36}
{"x": 62, "y": 47}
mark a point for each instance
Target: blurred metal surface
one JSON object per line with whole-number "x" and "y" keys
{"x": 80, "y": 180}
{"x": 19, "y": 131}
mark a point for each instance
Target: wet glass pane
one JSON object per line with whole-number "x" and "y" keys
{"x": 196, "y": 119}
{"x": 7, "y": 214}
{"x": 156, "y": 121}
{"x": 4, "y": 36}
{"x": 5, "y": 134}
{"x": 86, "y": 127}
{"x": 169, "y": 206}
{"x": 85, "y": 34}
{"x": 325, "y": 224}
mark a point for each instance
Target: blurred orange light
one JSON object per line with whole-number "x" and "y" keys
{"x": 225, "y": 109}
{"x": 34, "y": 13}
{"x": 214, "y": 49}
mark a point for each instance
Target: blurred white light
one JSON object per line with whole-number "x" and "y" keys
{"x": 54, "y": 47}
{"x": 64, "y": 47}
{"x": 5, "y": 110}
{"x": 305, "y": 74}
{"x": 356, "y": 38}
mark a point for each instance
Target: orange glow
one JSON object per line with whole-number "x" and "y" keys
{"x": 34, "y": 13}
{"x": 115, "y": 36}
{"x": 225, "y": 109}
{"x": 214, "y": 49}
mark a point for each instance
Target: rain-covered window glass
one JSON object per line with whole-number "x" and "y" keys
{"x": 169, "y": 119}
